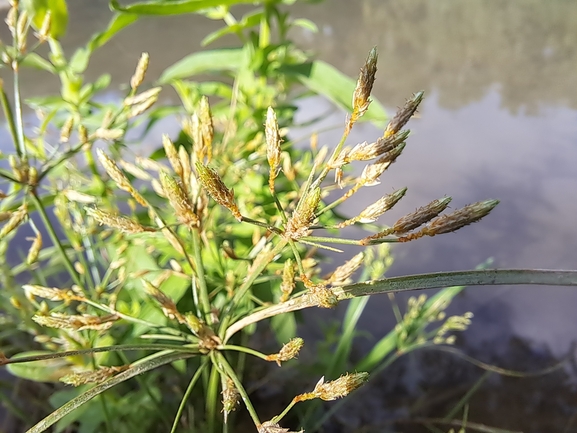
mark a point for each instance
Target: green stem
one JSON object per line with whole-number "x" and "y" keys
{"x": 280, "y": 416}
{"x": 244, "y": 395}
{"x": 54, "y": 237}
{"x": 200, "y": 275}
{"x": 247, "y": 284}
{"x": 9, "y": 116}
{"x": 212, "y": 398}
{"x": 244, "y": 350}
{"x": 187, "y": 393}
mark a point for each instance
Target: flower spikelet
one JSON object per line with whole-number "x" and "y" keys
{"x": 230, "y": 397}
{"x": 273, "y": 427}
{"x": 375, "y": 210}
{"x": 372, "y": 172}
{"x": 420, "y": 216}
{"x": 206, "y": 127}
{"x": 168, "y": 306}
{"x": 341, "y": 387}
{"x": 321, "y": 295}
{"x": 96, "y": 376}
{"x": 178, "y": 200}
{"x": 14, "y": 221}
{"x": 367, "y": 151}
{"x": 210, "y": 180}
{"x": 118, "y": 176}
{"x": 304, "y": 215}
{"x": 288, "y": 351}
{"x": 273, "y": 149}
{"x": 342, "y": 275}
{"x": 172, "y": 154}
{"x": 288, "y": 280}
{"x": 52, "y": 294}
{"x": 362, "y": 93}
{"x": 76, "y": 322}
{"x": 140, "y": 71}
{"x": 403, "y": 115}
{"x": 34, "y": 249}
{"x": 122, "y": 223}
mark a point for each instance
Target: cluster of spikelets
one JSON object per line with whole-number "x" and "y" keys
{"x": 188, "y": 183}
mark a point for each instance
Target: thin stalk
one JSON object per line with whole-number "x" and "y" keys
{"x": 297, "y": 257}
{"x": 244, "y": 395}
{"x": 187, "y": 393}
{"x": 281, "y": 415}
{"x": 212, "y": 397}
{"x": 200, "y": 275}
{"x": 20, "y": 145}
{"x": 247, "y": 284}
{"x": 52, "y": 233}
{"x": 243, "y": 349}
{"x": 9, "y": 116}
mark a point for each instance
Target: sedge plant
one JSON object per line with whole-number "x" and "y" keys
{"x": 175, "y": 259}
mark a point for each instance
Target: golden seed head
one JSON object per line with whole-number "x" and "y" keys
{"x": 341, "y": 387}
{"x": 109, "y": 134}
{"x": 119, "y": 222}
{"x": 134, "y": 170}
{"x": 82, "y": 134}
{"x": 78, "y": 196}
{"x": 66, "y": 130}
{"x": 460, "y": 218}
{"x": 320, "y": 294}
{"x": 167, "y": 305}
{"x": 403, "y": 115}
{"x": 75, "y": 322}
{"x": 140, "y": 72}
{"x": 420, "y": 216}
{"x": 14, "y": 221}
{"x": 372, "y": 172}
{"x": 273, "y": 149}
{"x": 290, "y": 350}
{"x": 34, "y": 249}
{"x": 178, "y": 200}
{"x": 172, "y": 154}
{"x": 365, "y": 152}
{"x": 44, "y": 33}
{"x": 362, "y": 93}
{"x": 342, "y": 275}
{"x": 273, "y": 427}
{"x": 216, "y": 188}
{"x": 96, "y": 376}
{"x": 206, "y": 127}
{"x": 288, "y": 280}
{"x": 52, "y": 294}
{"x": 145, "y": 96}
{"x": 113, "y": 171}
{"x": 375, "y": 210}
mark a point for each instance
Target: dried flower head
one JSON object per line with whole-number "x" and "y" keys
{"x": 289, "y": 351}
{"x": 214, "y": 185}
{"x": 96, "y": 376}
{"x": 230, "y": 397}
{"x": 375, "y": 210}
{"x": 206, "y": 127}
{"x": 122, "y": 223}
{"x": 362, "y": 93}
{"x": 367, "y": 151}
{"x": 341, "y": 387}
{"x": 52, "y": 294}
{"x": 77, "y": 322}
{"x": 304, "y": 215}
{"x": 179, "y": 200}
{"x": 372, "y": 172}
{"x": 420, "y": 216}
{"x": 16, "y": 218}
{"x": 273, "y": 427}
{"x": 273, "y": 149}
{"x": 141, "y": 68}
{"x": 168, "y": 306}
{"x": 403, "y": 115}
{"x": 342, "y": 275}
{"x": 454, "y": 221}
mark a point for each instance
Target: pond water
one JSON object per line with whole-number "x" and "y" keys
{"x": 499, "y": 121}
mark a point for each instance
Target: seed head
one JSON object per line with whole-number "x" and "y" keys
{"x": 178, "y": 200}
{"x": 341, "y": 387}
{"x": 230, "y": 397}
{"x": 172, "y": 155}
{"x": 342, "y": 275}
{"x": 403, "y": 115}
{"x": 140, "y": 72}
{"x": 367, "y": 151}
{"x": 372, "y": 172}
{"x": 375, "y": 210}
{"x": 14, "y": 221}
{"x": 168, "y": 306}
{"x": 97, "y": 376}
{"x": 34, "y": 249}
{"x": 288, "y": 280}
{"x": 216, "y": 188}
{"x": 66, "y": 130}
{"x": 273, "y": 149}
{"x": 119, "y": 222}
{"x": 75, "y": 323}
{"x": 206, "y": 127}
{"x": 420, "y": 216}
{"x": 44, "y": 33}
{"x": 273, "y": 427}
{"x": 288, "y": 351}
{"x": 304, "y": 215}
{"x": 362, "y": 93}
{"x": 52, "y": 294}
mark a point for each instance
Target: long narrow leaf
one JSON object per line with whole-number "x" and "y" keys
{"x": 163, "y": 7}
{"x": 226, "y": 59}
{"x": 145, "y": 366}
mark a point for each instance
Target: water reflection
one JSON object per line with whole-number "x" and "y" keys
{"x": 499, "y": 121}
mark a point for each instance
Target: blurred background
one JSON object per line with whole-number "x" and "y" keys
{"x": 499, "y": 120}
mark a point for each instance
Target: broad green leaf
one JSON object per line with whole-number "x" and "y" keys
{"x": 119, "y": 22}
{"x": 247, "y": 21}
{"x": 306, "y": 24}
{"x": 58, "y": 15}
{"x": 226, "y": 59}
{"x": 175, "y": 287}
{"x": 48, "y": 370}
{"x": 163, "y": 7}
{"x": 79, "y": 60}
{"x": 325, "y": 80}
{"x": 35, "y": 61}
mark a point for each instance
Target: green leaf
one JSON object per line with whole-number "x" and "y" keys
{"x": 35, "y": 61}
{"x": 325, "y": 80}
{"x": 284, "y": 327}
{"x": 249, "y": 20}
{"x": 38, "y": 9}
{"x": 226, "y": 59}
{"x": 119, "y": 22}
{"x": 306, "y": 24}
{"x": 48, "y": 370}
{"x": 163, "y": 7}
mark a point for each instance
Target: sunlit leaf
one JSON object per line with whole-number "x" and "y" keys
{"x": 35, "y": 61}
{"x": 162, "y": 7}
{"x": 58, "y": 15}
{"x": 226, "y": 59}
{"x": 48, "y": 370}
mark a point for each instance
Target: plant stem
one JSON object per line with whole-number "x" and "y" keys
{"x": 200, "y": 275}
{"x": 187, "y": 393}
{"x": 243, "y": 349}
{"x": 52, "y": 233}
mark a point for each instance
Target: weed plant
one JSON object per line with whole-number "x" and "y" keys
{"x": 173, "y": 259}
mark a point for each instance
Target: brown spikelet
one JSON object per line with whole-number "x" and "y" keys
{"x": 141, "y": 68}
{"x": 216, "y": 188}
{"x": 341, "y": 387}
{"x": 375, "y": 210}
{"x": 16, "y": 218}
{"x": 77, "y": 322}
{"x": 420, "y": 216}
{"x": 96, "y": 376}
{"x": 289, "y": 351}
{"x": 172, "y": 154}
{"x": 304, "y": 215}
{"x": 367, "y": 151}
{"x": 122, "y": 223}
{"x": 34, "y": 249}
{"x": 230, "y": 397}
{"x": 273, "y": 149}
{"x": 342, "y": 275}
{"x": 362, "y": 93}
{"x": 178, "y": 200}
{"x": 288, "y": 280}
{"x": 168, "y": 306}
{"x": 206, "y": 127}
{"x": 403, "y": 115}
{"x": 372, "y": 172}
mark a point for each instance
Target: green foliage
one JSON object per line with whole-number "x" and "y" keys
{"x": 159, "y": 262}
